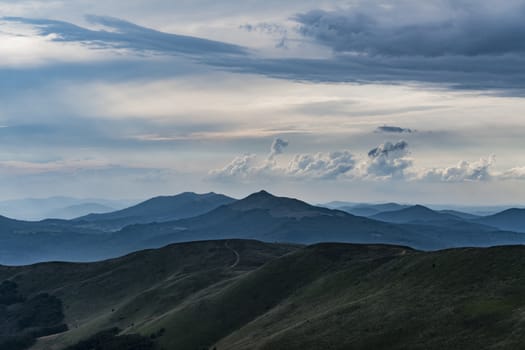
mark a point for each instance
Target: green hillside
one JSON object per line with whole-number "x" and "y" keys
{"x": 250, "y": 295}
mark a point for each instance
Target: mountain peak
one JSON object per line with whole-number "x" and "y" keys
{"x": 261, "y": 199}
{"x": 262, "y": 193}
{"x": 280, "y": 206}
{"x": 419, "y": 207}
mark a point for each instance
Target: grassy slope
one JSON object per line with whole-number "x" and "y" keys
{"x": 333, "y": 296}
{"x": 464, "y": 299}
{"x": 358, "y": 297}
{"x": 129, "y": 291}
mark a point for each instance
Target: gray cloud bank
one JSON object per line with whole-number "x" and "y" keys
{"x": 469, "y": 31}
{"x": 463, "y": 45}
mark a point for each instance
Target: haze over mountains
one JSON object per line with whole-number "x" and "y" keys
{"x": 58, "y": 207}
{"x": 261, "y": 216}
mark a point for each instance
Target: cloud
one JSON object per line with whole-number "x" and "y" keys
{"x": 126, "y": 35}
{"x": 276, "y": 30}
{"x": 394, "y": 129}
{"x": 464, "y": 171}
{"x": 490, "y": 63}
{"x": 322, "y": 166}
{"x": 388, "y": 148}
{"x": 278, "y": 146}
{"x": 241, "y": 167}
{"x": 467, "y": 31}
{"x": 517, "y": 173}
{"x": 245, "y": 168}
{"x": 327, "y": 166}
{"x": 388, "y": 160}
{"x": 462, "y": 44}
{"x": 502, "y": 74}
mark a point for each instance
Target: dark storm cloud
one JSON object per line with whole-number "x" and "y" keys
{"x": 471, "y": 49}
{"x": 504, "y": 74}
{"x": 393, "y": 129}
{"x": 462, "y": 44}
{"x": 387, "y": 148}
{"x": 470, "y": 32}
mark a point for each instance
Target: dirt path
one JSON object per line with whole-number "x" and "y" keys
{"x": 237, "y": 256}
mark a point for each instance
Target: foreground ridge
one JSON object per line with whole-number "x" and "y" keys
{"x": 240, "y": 294}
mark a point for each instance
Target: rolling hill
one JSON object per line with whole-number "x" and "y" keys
{"x": 459, "y": 214}
{"x": 158, "y": 209}
{"x": 511, "y": 219}
{"x": 369, "y": 210}
{"x": 416, "y": 213}
{"x": 241, "y": 294}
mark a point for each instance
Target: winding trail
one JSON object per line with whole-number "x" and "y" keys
{"x": 237, "y": 256}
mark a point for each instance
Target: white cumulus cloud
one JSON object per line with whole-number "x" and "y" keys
{"x": 463, "y": 171}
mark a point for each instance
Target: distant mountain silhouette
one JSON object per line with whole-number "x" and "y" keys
{"x": 34, "y": 209}
{"x": 511, "y": 219}
{"x": 338, "y": 204}
{"x": 74, "y": 211}
{"x": 460, "y": 214}
{"x": 265, "y": 217}
{"x": 416, "y": 213}
{"x": 369, "y": 210}
{"x": 260, "y": 216}
{"x": 158, "y": 209}
{"x": 269, "y": 218}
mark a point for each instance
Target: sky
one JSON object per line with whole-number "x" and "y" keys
{"x": 362, "y": 101}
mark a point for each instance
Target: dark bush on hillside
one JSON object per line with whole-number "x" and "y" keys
{"x": 42, "y": 311}
{"x": 9, "y": 293}
{"x": 23, "y": 319}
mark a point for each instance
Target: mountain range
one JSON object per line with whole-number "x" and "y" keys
{"x": 260, "y": 216}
